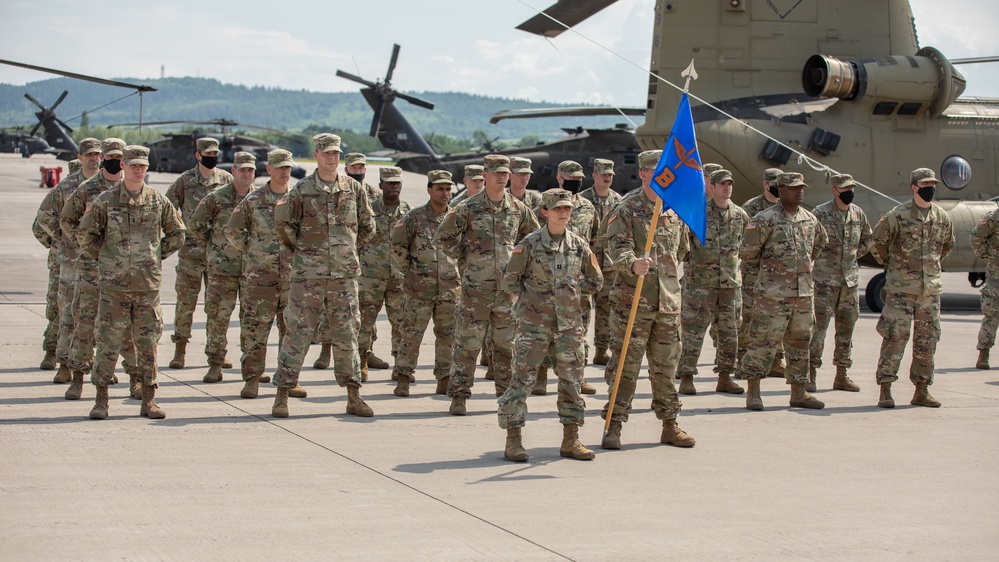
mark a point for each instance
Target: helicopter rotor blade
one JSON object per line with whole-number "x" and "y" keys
{"x": 65, "y": 126}
{"x": 357, "y": 79}
{"x": 376, "y": 121}
{"x": 34, "y": 101}
{"x": 58, "y": 101}
{"x": 415, "y": 101}
{"x": 35, "y": 128}
{"x": 974, "y": 60}
{"x": 136, "y": 87}
{"x": 391, "y": 67}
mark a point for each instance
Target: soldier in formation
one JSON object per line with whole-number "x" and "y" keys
{"x": 520, "y": 176}
{"x": 603, "y": 199}
{"x": 473, "y": 180}
{"x": 985, "y": 243}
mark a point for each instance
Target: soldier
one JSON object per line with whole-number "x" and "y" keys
{"x": 430, "y": 284}
{"x": 186, "y": 193}
{"x": 910, "y": 241}
{"x": 781, "y": 243}
{"x": 266, "y": 276}
{"x": 381, "y": 280}
{"x": 480, "y": 233}
{"x": 582, "y": 222}
{"x": 224, "y": 261}
{"x": 707, "y": 170}
{"x": 656, "y": 331}
{"x": 355, "y": 165}
{"x": 985, "y": 243}
{"x": 603, "y": 199}
{"x": 520, "y": 176}
{"x": 323, "y": 220}
{"x": 837, "y": 280}
{"x": 712, "y": 293}
{"x": 47, "y": 218}
{"x": 129, "y": 230}
{"x": 473, "y": 181}
{"x": 550, "y": 273}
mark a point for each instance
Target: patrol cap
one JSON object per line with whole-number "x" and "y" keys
{"x": 280, "y": 158}
{"x": 791, "y": 179}
{"x": 112, "y": 146}
{"x": 75, "y": 166}
{"x": 89, "y": 145}
{"x": 207, "y": 144}
{"x": 520, "y": 165}
{"x": 603, "y": 166}
{"x": 439, "y": 176}
{"x": 571, "y": 169}
{"x": 922, "y": 174}
{"x": 327, "y": 142}
{"x": 647, "y": 160}
{"x": 473, "y": 172}
{"x": 496, "y": 163}
{"x": 354, "y": 158}
{"x": 710, "y": 168}
{"x": 388, "y": 174}
{"x": 136, "y": 154}
{"x": 556, "y": 198}
{"x": 720, "y": 175}
{"x": 771, "y": 175}
{"x": 841, "y": 181}
{"x": 244, "y": 160}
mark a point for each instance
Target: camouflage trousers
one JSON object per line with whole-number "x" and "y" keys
{"x": 263, "y": 303}
{"x": 86, "y": 311}
{"x": 190, "y": 274}
{"x": 657, "y": 336}
{"x": 67, "y": 289}
{"x": 778, "y": 321}
{"x": 372, "y": 294}
{"x": 535, "y": 341}
{"x": 715, "y": 307}
{"x": 602, "y": 308}
{"x": 471, "y": 317}
{"x": 843, "y": 304}
{"x": 221, "y": 296}
{"x": 415, "y": 317}
{"x": 904, "y": 314}
{"x": 122, "y": 316}
{"x": 990, "y": 314}
{"x": 308, "y": 301}
{"x": 51, "y": 335}
{"x": 745, "y": 333}
{"x": 587, "y": 311}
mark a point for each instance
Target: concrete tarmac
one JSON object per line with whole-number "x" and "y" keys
{"x": 219, "y": 479}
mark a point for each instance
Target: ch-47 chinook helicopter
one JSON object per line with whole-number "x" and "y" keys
{"x": 845, "y": 83}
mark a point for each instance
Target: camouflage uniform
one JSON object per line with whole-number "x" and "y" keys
{"x": 753, "y": 207}
{"x": 532, "y": 200}
{"x": 601, "y": 300}
{"x": 985, "y": 243}
{"x": 51, "y": 334}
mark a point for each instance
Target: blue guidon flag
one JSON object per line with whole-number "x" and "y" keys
{"x": 678, "y": 178}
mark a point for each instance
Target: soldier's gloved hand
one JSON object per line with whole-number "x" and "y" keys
{"x": 641, "y": 266}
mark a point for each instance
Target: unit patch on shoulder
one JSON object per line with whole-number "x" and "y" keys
{"x": 751, "y": 226}
{"x": 611, "y": 218}
{"x": 517, "y": 249}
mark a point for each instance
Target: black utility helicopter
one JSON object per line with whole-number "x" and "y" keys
{"x": 15, "y": 140}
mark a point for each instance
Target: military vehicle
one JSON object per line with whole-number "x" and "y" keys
{"x": 841, "y": 86}
{"x": 14, "y": 139}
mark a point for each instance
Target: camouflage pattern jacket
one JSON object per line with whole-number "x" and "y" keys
{"x": 715, "y": 265}
{"x": 481, "y": 235}
{"x": 756, "y": 205}
{"x": 849, "y": 238}
{"x": 124, "y": 236}
{"x": 186, "y": 193}
{"x": 72, "y": 213}
{"x": 781, "y": 247}
{"x": 602, "y": 210}
{"x": 582, "y": 222}
{"x": 549, "y": 279}
{"x": 532, "y": 200}
{"x": 985, "y": 243}
{"x": 430, "y": 274}
{"x": 627, "y": 232}
{"x": 208, "y": 227}
{"x": 911, "y": 247}
{"x": 324, "y": 225}
{"x": 50, "y": 213}
{"x": 251, "y": 232}
{"x": 376, "y": 253}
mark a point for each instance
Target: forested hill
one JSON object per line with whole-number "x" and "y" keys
{"x": 456, "y": 114}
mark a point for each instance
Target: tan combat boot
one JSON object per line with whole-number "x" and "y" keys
{"x": 514, "y": 447}
{"x": 179, "y": 354}
{"x": 63, "y": 375}
{"x": 100, "y": 410}
{"x": 571, "y": 447}
{"x": 297, "y": 392}
{"x": 727, "y": 385}
{"x": 226, "y": 364}
{"x": 843, "y": 382}
{"x": 885, "y": 400}
{"x": 355, "y": 405}
{"x": 586, "y": 388}
{"x": 401, "y": 386}
{"x": 673, "y": 435}
{"x": 48, "y": 362}
{"x": 442, "y": 385}
{"x": 601, "y": 357}
{"x": 375, "y": 363}
{"x": 75, "y": 390}
{"x": 541, "y": 383}
{"x": 687, "y": 385}
{"x": 150, "y": 408}
{"x": 250, "y": 388}
{"x": 983, "y": 359}
{"x": 323, "y": 362}
{"x": 810, "y": 385}
{"x": 280, "y": 407}
{"x": 214, "y": 374}
{"x": 457, "y": 406}
{"x": 922, "y": 396}
{"x": 612, "y": 441}
{"x": 753, "y": 400}
{"x": 800, "y": 398}
{"x": 135, "y": 386}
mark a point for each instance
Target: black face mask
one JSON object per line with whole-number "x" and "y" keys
{"x": 773, "y": 190}
{"x": 358, "y": 177}
{"x": 111, "y": 166}
{"x": 572, "y": 186}
{"x": 846, "y": 197}
{"x": 209, "y": 161}
{"x": 927, "y": 192}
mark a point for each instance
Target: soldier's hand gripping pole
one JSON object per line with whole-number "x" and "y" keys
{"x": 622, "y": 356}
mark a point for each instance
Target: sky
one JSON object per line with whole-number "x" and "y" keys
{"x": 469, "y": 46}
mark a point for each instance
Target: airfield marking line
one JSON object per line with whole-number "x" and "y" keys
{"x": 370, "y": 468}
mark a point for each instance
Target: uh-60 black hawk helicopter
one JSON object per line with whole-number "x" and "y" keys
{"x": 415, "y": 154}
{"x": 15, "y": 140}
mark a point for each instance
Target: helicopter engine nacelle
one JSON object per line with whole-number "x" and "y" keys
{"x": 896, "y": 84}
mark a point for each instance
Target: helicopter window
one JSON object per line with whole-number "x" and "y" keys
{"x": 955, "y": 172}
{"x": 885, "y": 107}
{"x": 910, "y": 108}
{"x": 630, "y": 158}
